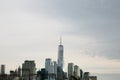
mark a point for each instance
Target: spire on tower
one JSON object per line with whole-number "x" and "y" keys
{"x": 60, "y": 40}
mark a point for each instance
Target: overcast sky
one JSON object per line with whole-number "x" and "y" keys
{"x": 30, "y": 29}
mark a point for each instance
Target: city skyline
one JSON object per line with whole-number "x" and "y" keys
{"x": 30, "y": 30}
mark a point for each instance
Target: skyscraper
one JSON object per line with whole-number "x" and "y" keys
{"x": 60, "y": 55}
{"x": 2, "y": 69}
{"x": 51, "y": 68}
{"x": 49, "y": 65}
{"x": 70, "y": 70}
{"x": 28, "y": 70}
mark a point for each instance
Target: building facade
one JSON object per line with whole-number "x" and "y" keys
{"x": 28, "y": 70}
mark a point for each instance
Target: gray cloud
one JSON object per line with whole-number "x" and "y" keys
{"x": 97, "y": 19}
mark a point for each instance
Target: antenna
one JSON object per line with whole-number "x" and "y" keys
{"x": 60, "y": 40}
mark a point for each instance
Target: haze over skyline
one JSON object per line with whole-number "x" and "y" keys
{"x": 30, "y": 29}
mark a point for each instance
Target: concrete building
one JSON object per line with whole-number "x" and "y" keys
{"x": 28, "y": 70}
{"x": 70, "y": 70}
{"x": 2, "y": 69}
{"x": 60, "y": 55}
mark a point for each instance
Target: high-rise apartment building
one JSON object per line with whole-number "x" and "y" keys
{"x": 60, "y": 55}
{"x": 29, "y": 70}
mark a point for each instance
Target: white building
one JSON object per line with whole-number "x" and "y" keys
{"x": 28, "y": 70}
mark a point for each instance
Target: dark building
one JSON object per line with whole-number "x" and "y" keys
{"x": 13, "y": 75}
{"x": 86, "y": 76}
{"x": 60, "y": 74}
{"x": 3, "y": 77}
{"x": 92, "y": 77}
{"x": 43, "y": 74}
{"x": 81, "y": 74}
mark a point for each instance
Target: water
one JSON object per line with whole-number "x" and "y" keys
{"x": 106, "y": 76}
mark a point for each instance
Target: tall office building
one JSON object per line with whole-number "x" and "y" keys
{"x": 49, "y": 65}
{"x": 51, "y": 68}
{"x": 2, "y": 69}
{"x": 29, "y": 70}
{"x": 60, "y": 55}
{"x": 70, "y": 70}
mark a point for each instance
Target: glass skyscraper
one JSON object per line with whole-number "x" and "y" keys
{"x": 60, "y": 55}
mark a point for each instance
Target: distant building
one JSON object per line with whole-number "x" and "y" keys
{"x": 70, "y": 70}
{"x": 76, "y": 72}
{"x": 2, "y": 69}
{"x": 13, "y": 75}
{"x": 49, "y": 65}
{"x": 51, "y": 76}
{"x": 60, "y": 74}
{"x": 81, "y": 74}
{"x": 55, "y": 67}
{"x": 65, "y": 76}
{"x": 43, "y": 74}
{"x": 86, "y": 76}
{"x": 28, "y": 70}
{"x": 60, "y": 55}
{"x": 19, "y": 72}
{"x": 92, "y": 77}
